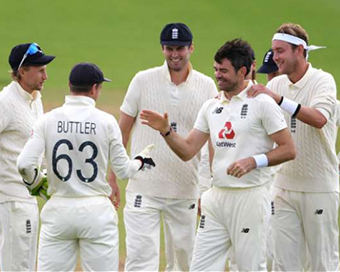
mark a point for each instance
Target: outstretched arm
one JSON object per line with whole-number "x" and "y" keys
{"x": 185, "y": 148}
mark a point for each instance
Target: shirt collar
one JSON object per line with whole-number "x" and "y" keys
{"x": 166, "y": 72}
{"x": 302, "y": 82}
{"x": 242, "y": 95}
{"x": 79, "y": 100}
{"x": 26, "y": 95}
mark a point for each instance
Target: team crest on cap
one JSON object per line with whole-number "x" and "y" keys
{"x": 174, "y": 33}
{"x": 266, "y": 59}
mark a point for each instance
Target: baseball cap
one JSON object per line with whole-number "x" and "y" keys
{"x": 28, "y": 54}
{"x": 176, "y": 34}
{"x": 268, "y": 65}
{"x": 86, "y": 74}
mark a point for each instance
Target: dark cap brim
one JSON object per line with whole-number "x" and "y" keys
{"x": 42, "y": 60}
{"x": 180, "y": 43}
{"x": 106, "y": 80}
{"x": 267, "y": 69}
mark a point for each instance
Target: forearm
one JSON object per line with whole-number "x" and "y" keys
{"x": 281, "y": 154}
{"x": 311, "y": 117}
{"x": 180, "y": 146}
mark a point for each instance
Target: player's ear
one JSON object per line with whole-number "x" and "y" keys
{"x": 243, "y": 71}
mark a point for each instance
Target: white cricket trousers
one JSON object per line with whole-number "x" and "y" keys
{"x": 142, "y": 218}
{"x": 19, "y": 222}
{"x": 87, "y": 224}
{"x": 232, "y": 217}
{"x": 305, "y": 225}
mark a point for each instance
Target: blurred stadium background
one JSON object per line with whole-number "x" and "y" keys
{"x": 122, "y": 37}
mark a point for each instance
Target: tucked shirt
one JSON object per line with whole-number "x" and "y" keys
{"x": 239, "y": 128}
{"x": 152, "y": 89}
{"x": 18, "y": 112}
{"x": 315, "y": 168}
{"x": 80, "y": 141}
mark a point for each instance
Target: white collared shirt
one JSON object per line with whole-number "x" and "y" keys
{"x": 153, "y": 89}
{"x": 315, "y": 168}
{"x": 80, "y": 141}
{"x": 239, "y": 128}
{"x": 18, "y": 112}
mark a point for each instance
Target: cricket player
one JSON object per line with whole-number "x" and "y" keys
{"x": 170, "y": 192}
{"x": 20, "y": 106}
{"x": 243, "y": 131}
{"x": 307, "y": 191}
{"x": 79, "y": 142}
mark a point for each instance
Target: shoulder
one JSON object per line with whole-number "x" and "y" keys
{"x": 155, "y": 71}
{"x": 209, "y": 104}
{"x": 319, "y": 74}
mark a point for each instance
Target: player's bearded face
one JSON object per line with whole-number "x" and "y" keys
{"x": 226, "y": 76}
{"x": 177, "y": 57}
{"x": 285, "y": 57}
{"x": 33, "y": 78}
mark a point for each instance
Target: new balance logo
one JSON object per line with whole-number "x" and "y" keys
{"x": 174, "y": 33}
{"x": 244, "y": 111}
{"x": 218, "y": 110}
{"x": 138, "y": 201}
{"x": 318, "y": 211}
{"x": 245, "y": 230}
{"x": 192, "y": 206}
{"x": 293, "y": 125}
{"x": 202, "y": 222}
{"x": 28, "y": 226}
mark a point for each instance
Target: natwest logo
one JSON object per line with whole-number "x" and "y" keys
{"x": 227, "y": 132}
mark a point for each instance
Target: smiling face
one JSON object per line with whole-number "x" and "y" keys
{"x": 177, "y": 57}
{"x": 285, "y": 57}
{"x": 227, "y": 78}
{"x": 32, "y": 78}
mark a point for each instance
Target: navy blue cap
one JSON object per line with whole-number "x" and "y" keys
{"x": 268, "y": 65}
{"x": 176, "y": 34}
{"x": 86, "y": 74}
{"x": 38, "y": 58}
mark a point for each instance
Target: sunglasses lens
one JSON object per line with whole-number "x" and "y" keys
{"x": 32, "y": 49}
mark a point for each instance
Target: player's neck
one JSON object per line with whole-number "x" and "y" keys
{"x": 178, "y": 77}
{"x": 239, "y": 88}
{"x": 299, "y": 72}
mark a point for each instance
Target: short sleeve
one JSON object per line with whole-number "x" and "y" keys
{"x": 272, "y": 116}
{"x": 132, "y": 97}
{"x": 324, "y": 99}
{"x": 202, "y": 119}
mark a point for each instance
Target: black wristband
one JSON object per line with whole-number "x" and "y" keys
{"x": 297, "y": 110}
{"x": 167, "y": 133}
{"x": 280, "y": 102}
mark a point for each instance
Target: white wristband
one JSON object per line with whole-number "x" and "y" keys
{"x": 289, "y": 105}
{"x": 261, "y": 160}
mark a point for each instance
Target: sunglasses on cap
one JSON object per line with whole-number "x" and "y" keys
{"x": 31, "y": 50}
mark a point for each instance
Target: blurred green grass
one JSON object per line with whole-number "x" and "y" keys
{"x": 122, "y": 37}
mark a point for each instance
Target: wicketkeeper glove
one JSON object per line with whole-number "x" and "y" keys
{"x": 145, "y": 158}
{"x": 39, "y": 186}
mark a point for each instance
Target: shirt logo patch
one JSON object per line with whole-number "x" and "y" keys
{"x": 227, "y": 132}
{"x": 173, "y": 125}
{"x": 218, "y": 110}
{"x": 293, "y": 125}
{"x": 244, "y": 111}
{"x": 318, "y": 211}
{"x": 138, "y": 201}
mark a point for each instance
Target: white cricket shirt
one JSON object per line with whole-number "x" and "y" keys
{"x": 239, "y": 128}
{"x": 18, "y": 112}
{"x": 79, "y": 141}
{"x": 152, "y": 89}
{"x": 315, "y": 168}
